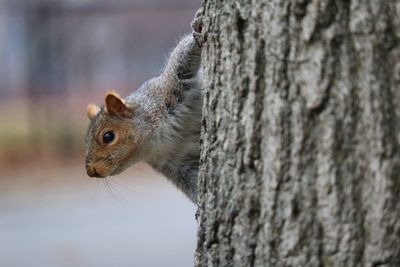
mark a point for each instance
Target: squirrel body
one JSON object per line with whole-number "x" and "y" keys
{"x": 159, "y": 123}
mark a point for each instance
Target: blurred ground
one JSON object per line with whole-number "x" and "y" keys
{"x": 54, "y": 215}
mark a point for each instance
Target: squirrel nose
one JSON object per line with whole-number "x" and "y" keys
{"x": 91, "y": 171}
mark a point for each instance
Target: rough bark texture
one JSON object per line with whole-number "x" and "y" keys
{"x": 300, "y": 160}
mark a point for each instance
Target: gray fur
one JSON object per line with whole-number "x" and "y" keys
{"x": 173, "y": 101}
{"x": 164, "y": 129}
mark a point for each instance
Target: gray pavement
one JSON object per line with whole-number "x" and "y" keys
{"x": 59, "y": 217}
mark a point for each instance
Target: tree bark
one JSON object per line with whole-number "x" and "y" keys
{"x": 300, "y": 154}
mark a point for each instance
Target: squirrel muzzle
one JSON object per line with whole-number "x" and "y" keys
{"x": 94, "y": 171}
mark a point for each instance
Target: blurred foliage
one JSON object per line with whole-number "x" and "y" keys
{"x": 38, "y": 140}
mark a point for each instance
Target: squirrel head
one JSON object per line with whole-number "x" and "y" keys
{"x": 113, "y": 141}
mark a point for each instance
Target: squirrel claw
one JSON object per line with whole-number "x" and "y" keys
{"x": 197, "y": 27}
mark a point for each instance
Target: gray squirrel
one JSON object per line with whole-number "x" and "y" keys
{"x": 159, "y": 123}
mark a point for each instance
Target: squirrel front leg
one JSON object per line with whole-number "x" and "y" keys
{"x": 185, "y": 59}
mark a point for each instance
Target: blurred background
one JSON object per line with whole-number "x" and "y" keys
{"x": 55, "y": 57}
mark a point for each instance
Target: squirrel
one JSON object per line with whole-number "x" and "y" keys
{"x": 159, "y": 123}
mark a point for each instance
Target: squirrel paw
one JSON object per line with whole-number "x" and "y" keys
{"x": 197, "y": 27}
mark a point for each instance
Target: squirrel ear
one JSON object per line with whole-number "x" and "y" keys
{"x": 92, "y": 110}
{"x": 116, "y": 106}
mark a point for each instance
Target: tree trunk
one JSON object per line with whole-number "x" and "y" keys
{"x": 300, "y": 157}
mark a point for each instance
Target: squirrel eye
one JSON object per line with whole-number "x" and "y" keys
{"x": 108, "y": 137}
